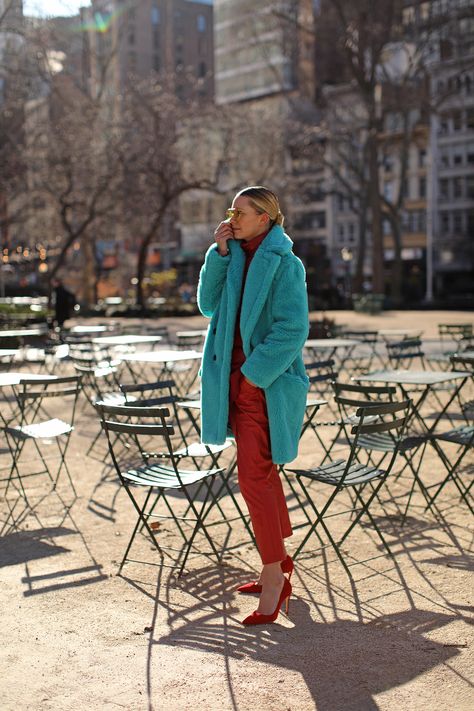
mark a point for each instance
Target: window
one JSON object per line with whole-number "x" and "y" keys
{"x": 470, "y": 186}
{"x": 201, "y": 23}
{"x": 422, "y": 158}
{"x": 470, "y": 158}
{"x": 155, "y": 15}
{"x": 156, "y": 63}
{"x": 444, "y": 189}
{"x": 156, "y": 37}
{"x": 202, "y": 70}
{"x": 457, "y": 159}
{"x": 422, "y": 188}
{"x": 444, "y": 160}
{"x": 351, "y": 232}
{"x": 341, "y": 233}
{"x": 443, "y": 124}
{"x": 445, "y": 222}
{"x": 470, "y": 222}
{"x": 470, "y": 119}
{"x": 457, "y": 187}
{"x": 131, "y": 35}
{"x": 458, "y": 222}
{"x": 457, "y": 120}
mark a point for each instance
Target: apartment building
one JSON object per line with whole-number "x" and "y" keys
{"x": 134, "y": 40}
{"x": 446, "y": 32}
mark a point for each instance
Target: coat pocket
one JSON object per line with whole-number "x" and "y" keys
{"x": 286, "y": 403}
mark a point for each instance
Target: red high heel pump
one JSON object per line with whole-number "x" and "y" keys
{"x": 258, "y": 618}
{"x": 254, "y": 587}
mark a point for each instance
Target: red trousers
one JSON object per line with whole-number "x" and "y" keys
{"x": 259, "y": 480}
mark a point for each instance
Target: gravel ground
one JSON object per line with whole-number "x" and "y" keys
{"x": 394, "y": 634}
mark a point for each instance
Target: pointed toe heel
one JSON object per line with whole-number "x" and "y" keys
{"x": 258, "y": 618}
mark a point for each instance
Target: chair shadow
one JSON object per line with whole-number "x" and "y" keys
{"x": 344, "y": 663}
{"x": 24, "y": 546}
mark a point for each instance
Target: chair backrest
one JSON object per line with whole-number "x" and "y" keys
{"x": 462, "y": 362}
{"x": 32, "y": 394}
{"x": 138, "y": 424}
{"x": 160, "y": 392}
{"x": 405, "y": 352}
{"x": 189, "y": 341}
{"x": 321, "y": 371}
{"x": 370, "y": 337}
{"x": 455, "y": 331}
{"x": 355, "y": 395}
{"x": 161, "y": 331}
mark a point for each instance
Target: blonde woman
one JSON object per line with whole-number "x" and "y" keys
{"x": 253, "y": 288}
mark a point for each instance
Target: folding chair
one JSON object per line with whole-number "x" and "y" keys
{"x": 99, "y": 370}
{"x": 377, "y": 447}
{"x": 362, "y": 358}
{"x": 454, "y": 331}
{"x": 464, "y": 363}
{"x": 354, "y": 475}
{"x": 160, "y": 393}
{"x": 463, "y": 439}
{"x": 33, "y": 399}
{"x": 186, "y": 372}
{"x": 404, "y": 353}
{"x": 146, "y": 472}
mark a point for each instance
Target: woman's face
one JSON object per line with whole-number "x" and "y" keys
{"x": 246, "y": 222}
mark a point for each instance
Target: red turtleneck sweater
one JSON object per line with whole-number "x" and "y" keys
{"x": 238, "y": 356}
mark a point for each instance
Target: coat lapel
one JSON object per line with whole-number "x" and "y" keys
{"x": 234, "y": 278}
{"x": 258, "y": 283}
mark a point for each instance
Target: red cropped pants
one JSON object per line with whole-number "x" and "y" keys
{"x": 259, "y": 480}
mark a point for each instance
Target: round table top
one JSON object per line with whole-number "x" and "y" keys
{"x": 88, "y": 329}
{"x": 164, "y": 356}
{"x": 331, "y": 342}
{"x": 17, "y": 378}
{"x": 126, "y": 340}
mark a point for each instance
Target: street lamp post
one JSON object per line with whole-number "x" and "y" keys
{"x": 347, "y": 255}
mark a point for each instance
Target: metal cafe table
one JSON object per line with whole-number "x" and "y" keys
{"x": 425, "y": 381}
{"x": 338, "y": 348}
{"x": 126, "y": 342}
{"x": 163, "y": 359}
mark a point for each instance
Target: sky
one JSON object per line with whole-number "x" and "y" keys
{"x": 45, "y": 8}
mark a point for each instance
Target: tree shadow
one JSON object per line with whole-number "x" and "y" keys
{"x": 344, "y": 663}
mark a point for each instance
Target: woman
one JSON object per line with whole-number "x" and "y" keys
{"x": 253, "y": 288}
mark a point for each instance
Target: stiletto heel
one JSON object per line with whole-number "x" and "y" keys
{"x": 258, "y": 618}
{"x": 287, "y": 566}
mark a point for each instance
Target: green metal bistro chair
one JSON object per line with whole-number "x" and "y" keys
{"x": 364, "y": 356}
{"x": 150, "y": 482}
{"x": 364, "y": 480}
{"x": 377, "y": 447}
{"x": 37, "y": 425}
{"x": 462, "y": 438}
{"x": 405, "y": 353}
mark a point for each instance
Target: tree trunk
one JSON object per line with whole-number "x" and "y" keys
{"x": 89, "y": 274}
{"x": 397, "y": 270}
{"x": 378, "y": 281}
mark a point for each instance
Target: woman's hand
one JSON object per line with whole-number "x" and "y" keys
{"x": 223, "y": 233}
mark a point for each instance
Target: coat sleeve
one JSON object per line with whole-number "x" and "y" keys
{"x": 211, "y": 281}
{"x": 288, "y": 332}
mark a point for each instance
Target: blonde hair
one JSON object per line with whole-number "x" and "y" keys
{"x": 264, "y": 200}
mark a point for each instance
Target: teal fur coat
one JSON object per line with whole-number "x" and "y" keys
{"x": 274, "y": 326}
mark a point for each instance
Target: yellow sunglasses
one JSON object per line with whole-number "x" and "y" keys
{"x": 234, "y": 212}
